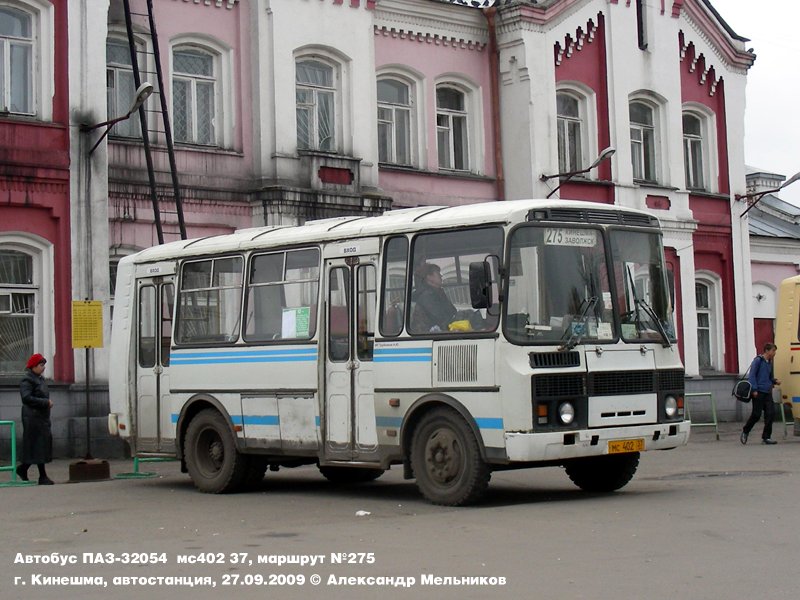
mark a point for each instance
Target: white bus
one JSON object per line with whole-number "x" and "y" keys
{"x": 285, "y": 346}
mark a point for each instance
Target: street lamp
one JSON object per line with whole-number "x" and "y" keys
{"x": 142, "y": 93}
{"x": 759, "y": 195}
{"x": 606, "y": 153}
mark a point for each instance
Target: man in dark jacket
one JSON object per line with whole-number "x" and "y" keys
{"x": 761, "y": 379}
{"x": 37, "y": 440}
{"x": 433, "y": 311}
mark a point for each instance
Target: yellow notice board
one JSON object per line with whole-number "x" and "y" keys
{"x": 87, "y": 324}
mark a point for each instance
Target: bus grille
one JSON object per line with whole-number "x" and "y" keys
{"x": 621, "y": 382}
{"x": 457, "y": 364}
{"x": 611, "y": 217}
{"x": 672, "y": 381}
{"x": 556, "y": 386}
{"x": 549, "y": 360}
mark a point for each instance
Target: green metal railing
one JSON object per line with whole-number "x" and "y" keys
{"x": 13, "y": 466}
{"x": 714, "y": 422}
{"x": 137, "y": 474}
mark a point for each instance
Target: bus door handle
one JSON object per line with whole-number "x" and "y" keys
{"x": 352, "y": 365}
{"x": 158, "y": 369}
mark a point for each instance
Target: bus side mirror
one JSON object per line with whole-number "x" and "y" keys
{"x": 480, "y": 284}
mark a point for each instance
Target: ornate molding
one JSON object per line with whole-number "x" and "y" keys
{"x": 427, "y": 38}
{"x": 572, "y": 43}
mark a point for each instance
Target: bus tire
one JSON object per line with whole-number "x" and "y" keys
{"x": 446, "y": 460}
{"x": 213, "y": 462}
{"x": 346, "y": 475}
{"x": 603, "y": 474}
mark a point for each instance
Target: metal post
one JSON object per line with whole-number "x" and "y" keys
{"x": 88, "y": 447}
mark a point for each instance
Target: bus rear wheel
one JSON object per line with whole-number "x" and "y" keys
{"x": 345, "y": 475}
{"x": 603, "y": 474}
{"x": 446, "y": 460}
{"x": 213, "y": 462}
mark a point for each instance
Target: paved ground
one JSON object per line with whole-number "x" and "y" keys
{"x": 712, "y": 520}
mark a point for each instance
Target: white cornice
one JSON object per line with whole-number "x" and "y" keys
{"x": 431, "y": 20}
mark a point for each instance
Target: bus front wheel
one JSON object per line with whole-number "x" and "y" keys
{"x": 603, "y": 473}
{"x": 446, "y": 460}
{"x": 213, "y": 462}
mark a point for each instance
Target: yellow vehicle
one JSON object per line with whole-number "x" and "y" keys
{"x": 787, "y": 338}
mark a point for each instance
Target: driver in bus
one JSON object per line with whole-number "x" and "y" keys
{"x": 433, "y": 311}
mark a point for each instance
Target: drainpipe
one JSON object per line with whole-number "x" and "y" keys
{"x": 494, "y": 76}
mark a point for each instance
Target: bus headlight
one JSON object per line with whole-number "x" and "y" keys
{"x": 670, "y": 406}
{"x": 566, "y": 412}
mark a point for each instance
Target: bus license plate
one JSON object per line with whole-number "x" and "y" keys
{"x": 622, "y": 446}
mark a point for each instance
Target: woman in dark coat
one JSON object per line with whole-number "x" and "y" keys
{"x": 37, "y": 441}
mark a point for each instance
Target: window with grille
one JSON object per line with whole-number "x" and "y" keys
{"x": 121, "y": 88}
{"x": 18, "y": 296}
{"x": 194, "y": 84}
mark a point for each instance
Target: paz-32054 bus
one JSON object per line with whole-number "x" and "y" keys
{"x": 285, "y": 346}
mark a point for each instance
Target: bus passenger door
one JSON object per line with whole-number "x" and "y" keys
{"x": 156, "y": 303}
{"x": 349, "y": 410}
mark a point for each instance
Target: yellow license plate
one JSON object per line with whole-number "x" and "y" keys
{"x": 621, "y": 446}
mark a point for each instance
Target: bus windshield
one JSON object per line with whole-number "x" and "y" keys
{"x": 559, "y": 288}
{"x": 643, "y": 299}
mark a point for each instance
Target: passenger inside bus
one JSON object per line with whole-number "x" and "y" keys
{"x": 433, "y": 311}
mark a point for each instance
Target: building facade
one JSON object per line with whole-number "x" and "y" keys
{"x": 281, "y": 111}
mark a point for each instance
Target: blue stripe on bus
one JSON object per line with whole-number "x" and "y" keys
{"x": 316, "y": 420}
{"x": 255, "y": 356}
{"x": 403, "y": 351}
{"x": 489, "y": 423}
{"x": 388, "y": 421}
{"x": 485, "y": 423}
{"x": 403, "y": 355}
{"x": 796, "y": 399}
{"x": 174, "y": 418}
{"x": 256, "y": 420}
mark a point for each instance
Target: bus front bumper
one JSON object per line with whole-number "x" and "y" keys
{"x": 532, "y": 447}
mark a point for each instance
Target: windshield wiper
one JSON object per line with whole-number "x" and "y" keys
{"x": 579, "y": 326}
{"x": 651, "y": 313}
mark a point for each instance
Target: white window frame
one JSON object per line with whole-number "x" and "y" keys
{"x": 716, "y": 318}
{"x": 42, "y": 58}
{"x": 708, "y": 142}
{"x": 129, "y": 128}
{"x": 473, "y": 110}
{"x": 641, "y": 151}
{"x": 335, "y": 89}
{"x": 411, "y": 109}
{"x": 587, "y": 103}
{"x": 42, "y": 254}
{"x": 224, "y": 118}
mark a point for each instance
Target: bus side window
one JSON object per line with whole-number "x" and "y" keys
{"x": 393, "y": 286}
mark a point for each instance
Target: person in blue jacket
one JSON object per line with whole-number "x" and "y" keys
{"x": 762, "y": 380}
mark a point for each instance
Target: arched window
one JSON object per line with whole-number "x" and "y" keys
{"x": 194, "y": 95}
{"x": 16, "y": 61}
{"x": 570, "y": 126}
{"x": 452, "y": 129}
{"x": 643, "y": 141}
{"x": 394, "y": 122}
{"x": 121, "y": 87}
{"x": 709, "y": 318}
{"x": 693, "y": 152}
{"x": 315, "y": 89}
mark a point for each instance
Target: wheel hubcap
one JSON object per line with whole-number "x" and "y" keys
{"x": 211, "y": 453}
{"x": 443, "y": 457}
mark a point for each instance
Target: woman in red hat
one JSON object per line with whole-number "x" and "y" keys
{"x": 37, "y": 440}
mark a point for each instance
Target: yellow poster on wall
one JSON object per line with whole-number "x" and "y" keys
{"x": 87, "y": 324}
